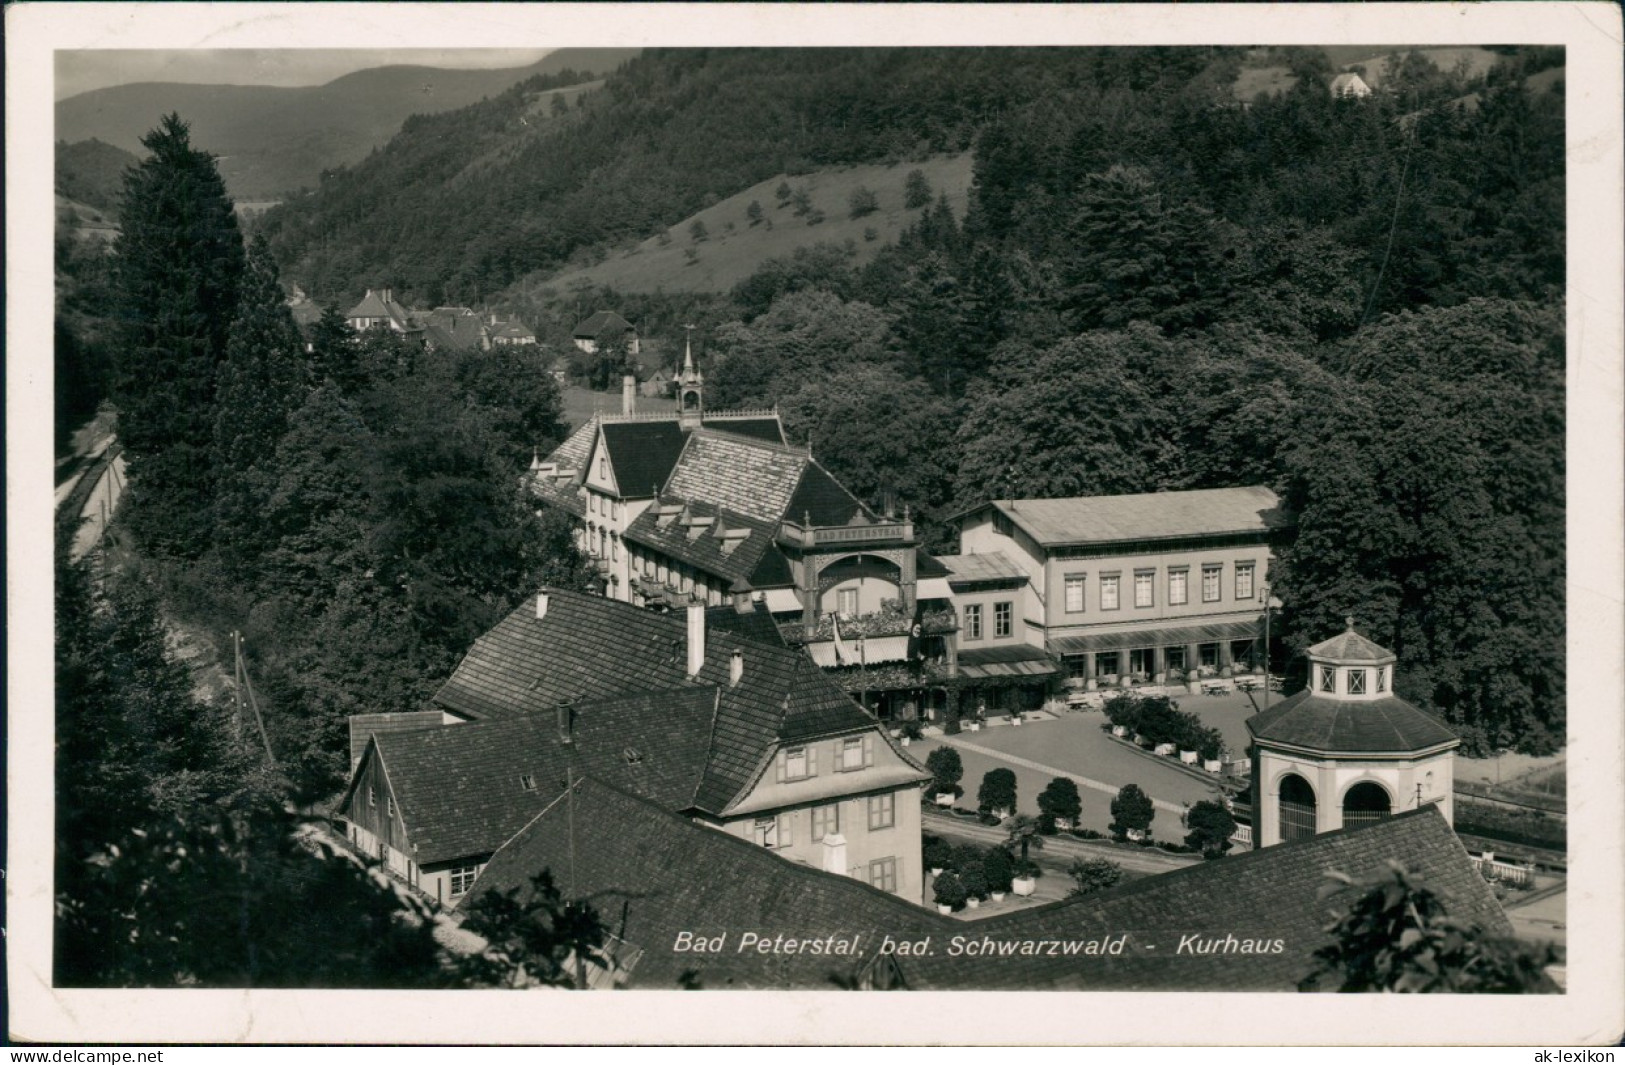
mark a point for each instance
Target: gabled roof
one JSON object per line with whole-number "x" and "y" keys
{"x": 970, "y": 569}
{"x": 734, "y": 558}
{"x": 1350, "y": 726}
{"x": 459, "y": 786}
{"x": 748, "y": 477}
{"x": 588, "y": 647}
{"x": 823, "y": 498}
{"x": 599, "y": 323}
{"x": 755, "y": 624}
{"x": 652, "y": 875}
{"x": 373, "y": 305}
{"x": 1149, "y": 516}
{"x": 364, "y": 726}
{"x": 642, "y": 453}
{"x": 1352, "y": 648}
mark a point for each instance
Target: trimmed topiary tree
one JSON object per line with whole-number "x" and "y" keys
{"x": 975, "y": 880}
{"x": 998, "y": 791}
{"x": 936, "y": 853}
{"x": 1060, "y": 799}
{"x": 949, "y": 891}
{"x": 946, "y": 768}
{"x": 1132, "y": 811}
{"x": 1211, "y": 827}
{"x": 999, "y": 869}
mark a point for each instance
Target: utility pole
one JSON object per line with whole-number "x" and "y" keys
{"x": 245, "y": 685}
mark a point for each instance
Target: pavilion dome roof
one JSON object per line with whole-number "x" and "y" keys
{"x": 1352, "y": 648}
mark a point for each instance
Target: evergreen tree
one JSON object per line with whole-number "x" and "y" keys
{"x": 179, "y": 261}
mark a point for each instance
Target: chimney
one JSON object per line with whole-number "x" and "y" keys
{"x": 385, "y": 295}
{"x": 629, "y": 394}
{"x": 736, "y": 668}
{"x": 541, "y": 605}
{"x": 696, "y": 638}
{"x": 566, "y": 717}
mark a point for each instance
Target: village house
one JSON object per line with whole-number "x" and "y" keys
{"x": 745, "y": 737}
{"x": 1349, "y": 85}
{"x": 716, "y": 506}
{"x": 1133, "y": 587}
{"x": 378, "y": 310}
{"x": 604, "y": 328}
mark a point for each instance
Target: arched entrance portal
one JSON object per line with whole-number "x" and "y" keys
{"x": 1297, "y": 808}
{"x": 1364, "y": 803}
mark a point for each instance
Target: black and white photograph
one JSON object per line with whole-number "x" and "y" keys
{"x": 807, "y": 499}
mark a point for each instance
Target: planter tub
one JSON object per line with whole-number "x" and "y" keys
{"x": 1164, "y": 749}
{"x": 1024, "y": 885}
{"x": 973, "y": 903}
{"x": 904, "y": 741}
{"x": 1063, "y": 824}
{"x": 946, "y": 911}
{"x": 1119, "y": 730}
{"x": 975, "y": 726}
{"x": 1188, "y": 757}
{"x": 1015, "y": 721}
{"x": 1213, "y": 765}
{"x": 1136, "y": 834}
{"x": 945, "y": 799}
{"x": 998, "y": 896}
{"x": 936, "y": 871}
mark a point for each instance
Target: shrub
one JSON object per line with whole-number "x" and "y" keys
{"x": 998, "y": 790}
{"x": 870, "y": 233}
{"x": 912, "y": 729}
{"x": 697, "y": 231}
{"x": 1094, "y": 874}
{"x": 1131, "y": 811}
{"x": 975, "y": 881}
{"x": 783, "y": 193}
{"x": 815, "y": 217}
{"x": 690, "y": 256}
{"x": 1087, "y": 833}
{"x": 998, "y": 867}
{"x": 1059, "y": 799}
{"x": 1211, "y": 827}
{"x": 801, "y": 200}
{"x": 754, "y": 212}
{"x": 936, "y": 853}
{"x": 862, "y": 202}
{"x": 916, "y": 189}
{"x": 949, "y": 891}
{"x": 946, "y": 767}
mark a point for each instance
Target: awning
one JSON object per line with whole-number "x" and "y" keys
{"x": 1022, "y": 661}
{"x": 933, "y": 588}
{"x": 1176, "y": 636}
{"x": 782, "y": 600}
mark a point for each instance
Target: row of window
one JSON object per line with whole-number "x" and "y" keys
{"x": 778, "y": 831}
{"x": 1003, "y": 620}
{"x": 609, "y": 508}
{"x": 851, "y": 753}
{"x": 1327, "y": 681}
{"x": 1145, "y": 586}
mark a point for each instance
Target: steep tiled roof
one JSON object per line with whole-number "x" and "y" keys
{"x": 1151, "y": 516}
{"x": 992, "y": 566}
{"x": 599, "y": 323}
{"x": 748, "y": 477}
{"x": 572, "y": 454}
{"x": 754, "y": 624}
{"x": 772, "y": 570}
{"x": 767, "y": 429}
{"x": 459, "y": 786}
{"x": 642, "y": 454}
{"x": 587, "y": 647}
{"x": 822, "y": 497}
{"x": 654, "y": 875}
{"x": 651, "y": 876}
{"x": 927, "y": 565}
{"x": 373, "y": 305}
{"x": 1350, "y": 647}
{"x": 364, "y": 726}
{"x": 1269, "y": 895}
{"x": 733, "y": 558}
{"x": 1349, "y": 726}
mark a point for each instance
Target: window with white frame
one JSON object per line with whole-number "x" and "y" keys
{"x": 1074, "y": 593}
{"x": 1003, "y": 616}
{"x": 846, "y": 602}
{"x": 883, "y": 874}
{"x": 882, "y": 811}
{"x": 973, "y": 621}
{"x": 1356, "y": 682}
{"x": 1382, "y": 679}
{"x": 1179, "y": 592}
{"x": 1211, "y": 572}
{"x": 852, "y": 753}
{"x": 1144, "y": 581}
{"x": 765, "y": 832}
{"x": 462, "y": 878}
{"x": 1108, "y": 590}
{"x": 826, "y": 821}
{"x": 1328, "y": 679}
{"x": 1244, "y": 581}
{"x": 799, "y": 763}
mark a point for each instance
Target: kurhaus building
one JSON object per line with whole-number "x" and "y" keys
{"x": 1136, "y": 585}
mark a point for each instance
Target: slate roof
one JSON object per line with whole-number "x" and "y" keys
{"x": 654, "y": 875}
{"x": 1269, "y": 894}
{"x": 642, "y": 454}
{"x": 745, "y": 476}
{"x": 1349, "y": 726}
{"x": 1149, "y": 516}
{"x": 455, "y": 329}
{"x": 755, "y": 624}
{"x": 589, "y": 647}
{"x": 772, "y": 570}
{"x": 768, "y": 430}
{"x": 1350, "y": 647}
{"x": 820, "y": 495}
{"x": 734, "y": 559}
{"x": 364, "y": 726}
{"x": 459, "y": 786}
{"x": 596, "y": 325}
{"x": 992, "y": 566}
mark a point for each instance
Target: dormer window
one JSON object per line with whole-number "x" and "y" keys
{"x": 633, "y": 756}
{"x": 799, "y": 763}
{"x": 527, "y": 782}
{"x": 1356, "y": 682}
{"x": 1328, "y": 679}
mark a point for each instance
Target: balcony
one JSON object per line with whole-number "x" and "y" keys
{"x": 805, "y": 537}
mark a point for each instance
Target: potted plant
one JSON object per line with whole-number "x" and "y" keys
{"x": 1059, "y": 805}
{"x": 997, "y": 795}
{"x": 946, "y": 768}
{"x": 936, "y": 854}
{"x": 975, "y": 883}
{"x": 911, "y": 731}
{"x": 1024, "y": 834}
{"x": 1211, "y": 827}
{"x": 1132, "y": 813}
{"x": 999, "y": 870}
{"x": 949, "y": 893}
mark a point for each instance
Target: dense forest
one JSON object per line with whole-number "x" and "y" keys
{"x": 1355, "y": 301}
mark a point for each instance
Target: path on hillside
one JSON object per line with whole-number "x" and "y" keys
{"x": 1082, "y": 782}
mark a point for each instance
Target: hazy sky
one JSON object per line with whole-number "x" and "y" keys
{"x": 82, "y": 71}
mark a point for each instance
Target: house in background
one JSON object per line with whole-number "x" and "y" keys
{"x": 1131, "y": 586}
{"x": 378, "y": 310}
{"x": 510, "y": 333}
{"x": 604, "y": 328}
{"x": 1349, "y": 85}
{"x": 743, "y": 736}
